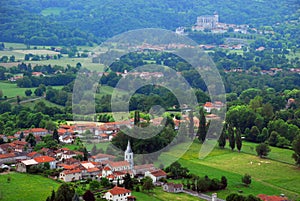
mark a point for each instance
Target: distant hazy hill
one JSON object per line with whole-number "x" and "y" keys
{"x": 65, "y": 22}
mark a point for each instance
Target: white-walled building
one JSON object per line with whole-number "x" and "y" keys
{"x": 117, "y": 194}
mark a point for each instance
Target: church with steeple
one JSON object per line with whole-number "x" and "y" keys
{"x": 128, "y": 155}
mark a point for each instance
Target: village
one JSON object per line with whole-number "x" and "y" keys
{"x": 19, "y": 155}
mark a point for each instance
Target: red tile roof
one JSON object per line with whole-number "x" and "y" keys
{"x": 44, "y": 159}
{"x": 98, "y": 156}
{"x": 106, "y": 168}
{"x": 93, "y": 170}
{"x": 10, "y": 155}
{"x": 158, "y": 173}
{"x": 71, "y": 171}
{"x": 119, "y": 190}
{"x": 31, "y": 154}
{"x": 17, "y": 142}
{"x": 68, "y": 167}
{"x": 208, "y": 104}
{"x": 118, "y": 163}
{"x": 38, "y": 130}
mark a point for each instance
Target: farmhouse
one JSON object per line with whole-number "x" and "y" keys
{"x": 156, "y": 175}
{"x": 46, "y": 159}
{"x": 70, "y": 175}
{"x": 118, "y": 194}
{"x": 173, "y": 188}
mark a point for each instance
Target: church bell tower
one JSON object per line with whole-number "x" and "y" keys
{"x": 128, "y": 156}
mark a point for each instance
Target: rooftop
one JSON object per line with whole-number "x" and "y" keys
{"x": 119, "y": 190}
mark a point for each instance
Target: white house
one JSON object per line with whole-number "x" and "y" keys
{"x": 118, "y": 194}
{"x": 70, "y": 175}
{"x": 118, "y": 165}
{"x": 102, "y": 157}
{"x": 173, "y": 188}
{"x": 46, "y": 159}
{"x": 23, "y": 165}
{"x": 156, "y": 175}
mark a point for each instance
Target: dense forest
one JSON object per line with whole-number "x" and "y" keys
{"x": 55, "y": 22}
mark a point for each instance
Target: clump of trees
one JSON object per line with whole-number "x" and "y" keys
{"x": 237, "y": 197}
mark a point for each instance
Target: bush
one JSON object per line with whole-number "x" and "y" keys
{"x": 246, "y": 179}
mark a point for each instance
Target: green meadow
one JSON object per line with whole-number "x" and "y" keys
{"x": 11, "y": 90}
{"x": 268, "y": 176}
{"x": 159, "y": 195}
{"x": 25, "y": 187}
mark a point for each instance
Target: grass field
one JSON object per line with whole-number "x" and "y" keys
{"x": 25, "y": 187}
{"x": 268, "y": 176}
{"x": 277, "y": 154}
{"x": 158, "y": 195}
{"x": 11, "y": 90}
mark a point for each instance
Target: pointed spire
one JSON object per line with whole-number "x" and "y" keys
{"x": 128, "y": 149}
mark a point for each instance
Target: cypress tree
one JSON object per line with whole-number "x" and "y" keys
{"x": 238, "y": 139}
{"x": 202, "y": 126}
{"x": 231, "y": 137}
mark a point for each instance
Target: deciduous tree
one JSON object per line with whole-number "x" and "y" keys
{"x": 262, "y": 150}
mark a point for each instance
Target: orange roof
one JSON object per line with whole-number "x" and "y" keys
{"x": 100, "y": 155}
{"x": 65, "y": 126}
{"x": 106, "y": 168}
{"x": 38, "y": 130}
{"x": 93, "y": 169}
{"x": 118, "y": 163}
{"x": 68, "y": 167}
{"x": 208, "y": 104}
{"x": 111, "y": 176}
{"x": 17, "y": 142}
{"x": 44, "y": 159}
{"x": 32, "y": 154}
{"x": 158, "y": 173}
{"x": 119, "y": 190}
{"x": 72, "y": 171}
{"x": 10, "y": 155}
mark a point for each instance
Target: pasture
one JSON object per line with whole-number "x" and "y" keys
{"x": 25, "y": 187}
{"x": 158, "y": 195}
{"x": 268, "y": 176}
{"x": 11, "y": 90}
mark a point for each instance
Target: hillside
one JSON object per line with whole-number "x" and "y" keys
{"x": 53, "y": 22}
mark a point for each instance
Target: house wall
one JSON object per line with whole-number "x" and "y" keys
{"x": 70, "y": 177}
{"x": 109, "y": 196}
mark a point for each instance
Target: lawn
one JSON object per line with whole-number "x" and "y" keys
{"x": 268, "y": 176}
{"x": 25, "y": 187}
